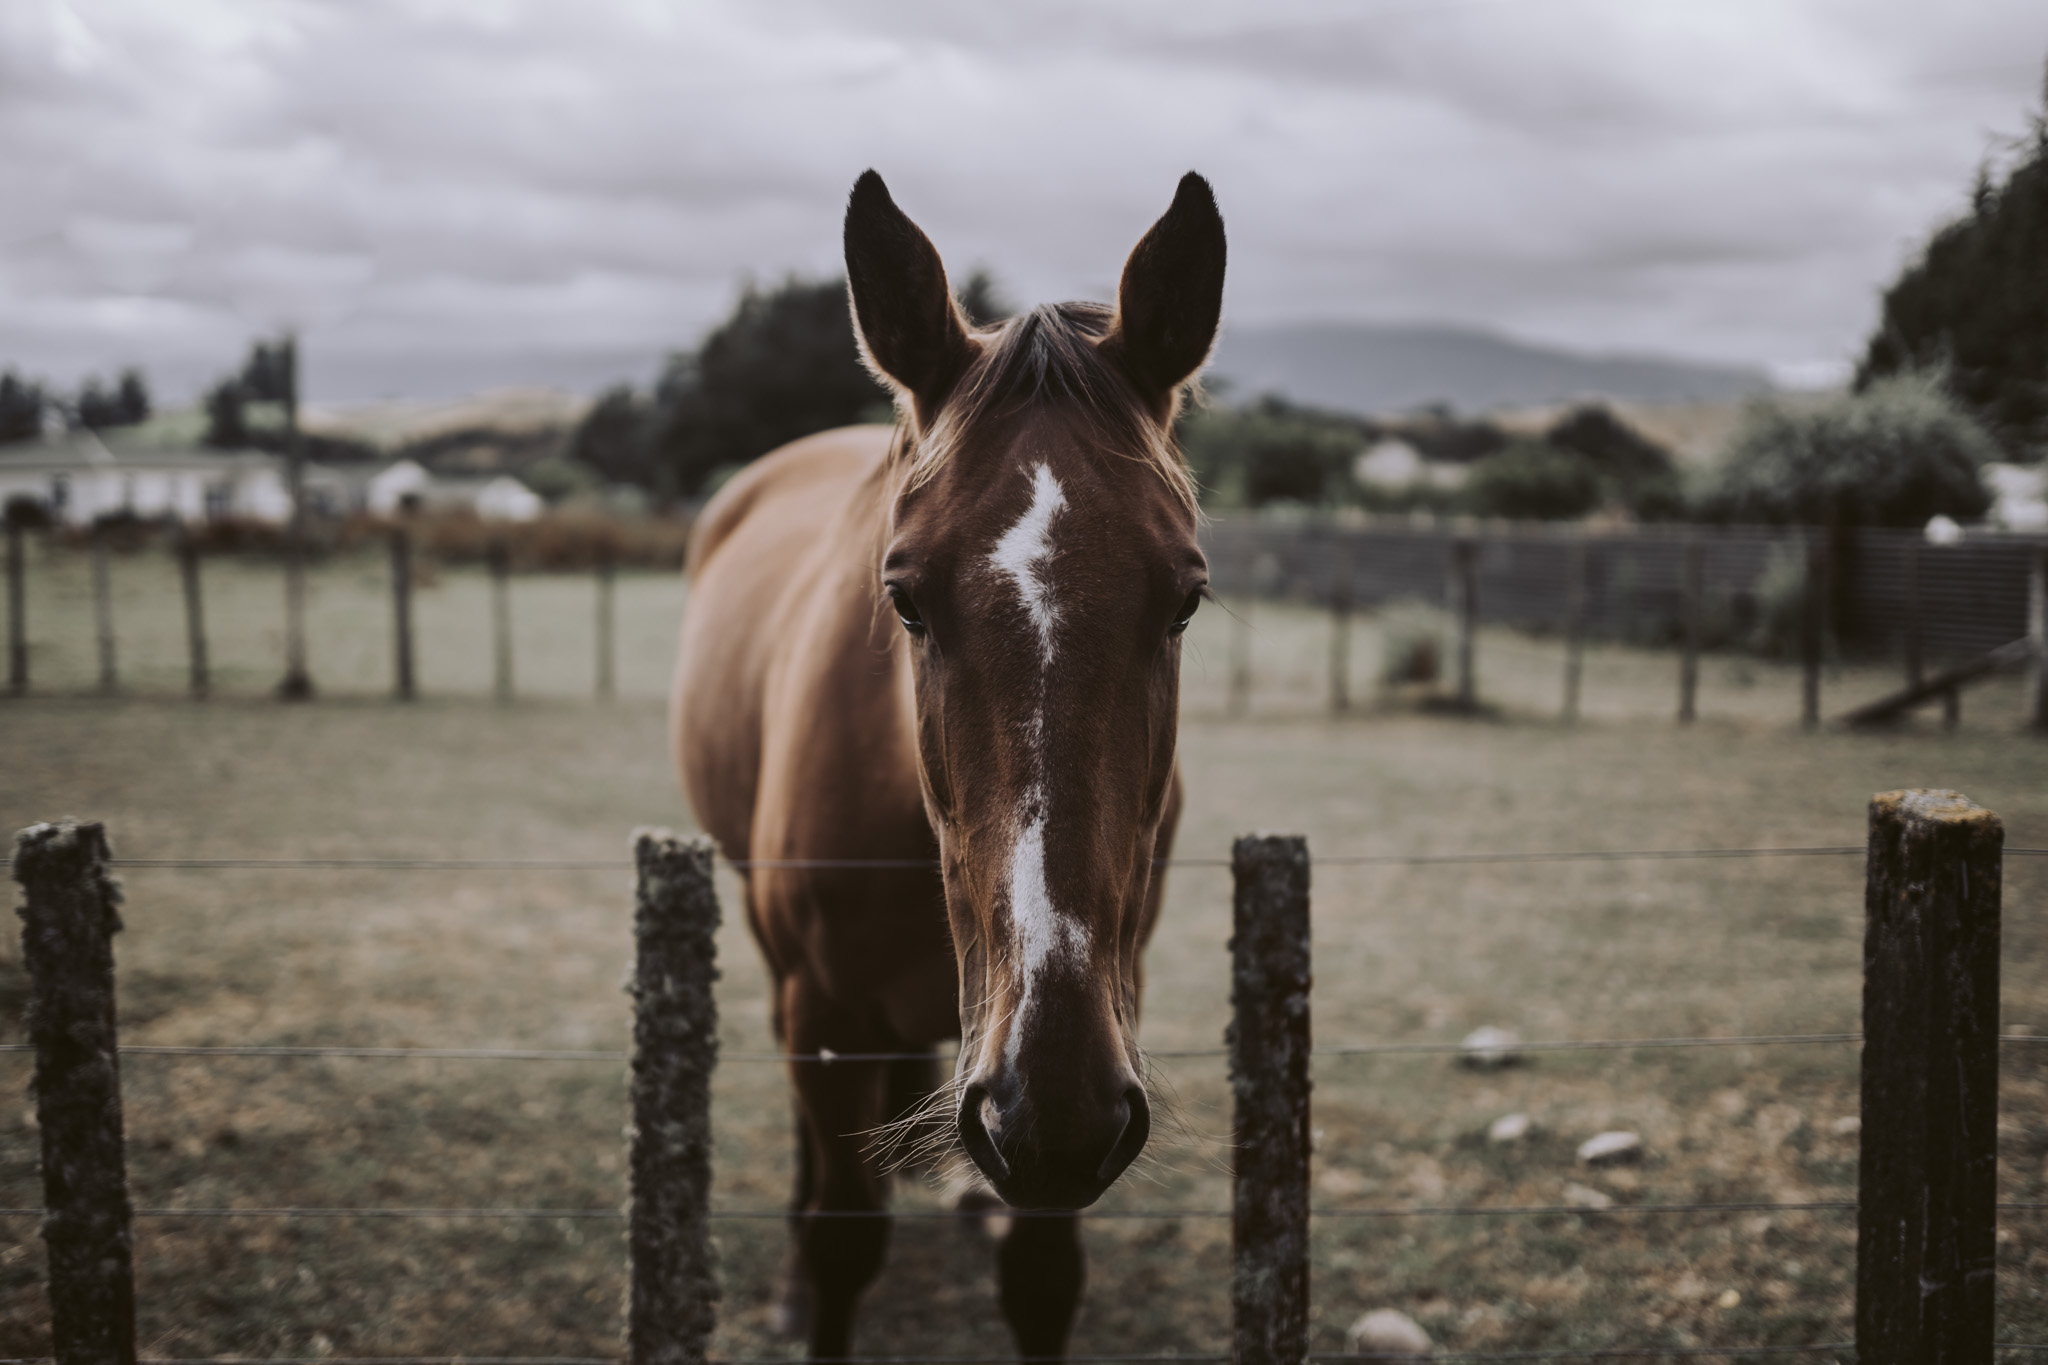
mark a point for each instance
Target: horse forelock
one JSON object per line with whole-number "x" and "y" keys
{"x": 1049, "y": 358}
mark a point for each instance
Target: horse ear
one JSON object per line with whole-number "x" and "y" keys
{"x": 1171, "y": 296}
{"x": 910, "y": 330}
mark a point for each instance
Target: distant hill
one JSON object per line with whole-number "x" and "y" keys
{"x": 1389, "y": 368}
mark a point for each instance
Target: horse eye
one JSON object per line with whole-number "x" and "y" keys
{"x": 906, "y": 611}
{"x": 1186, "y": 613}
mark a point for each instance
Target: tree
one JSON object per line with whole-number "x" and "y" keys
{"x": 1534, "y": 480}
{"x": 1896, "y": 454}
{"x": 1633, "y": 470}
{"x": 612, "y": 438}
{"x": 124, "y": 405}
{"x": 782, "y": 366}
{"x": 982, "y": 299}
{"x": 227, "y": 421}
{"x": 131, "y": 398}
{"x": 21, "y": 408}
{"x": 1270, "y": 450}
{"x": 1974, "y": 307}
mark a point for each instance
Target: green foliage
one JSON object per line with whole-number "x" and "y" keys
{"x": 560, "y": 477}
{"x": 982, "y": 300}
{"x": 1534, "y": 480}
{"x": 1270, "y": 450}
{"x": 1635, "y": 472}
{"x": 227, "y": 421}
{"x": 782, "y": 366}
{"x": 1975, "y": 306}
{"x": 1894, "y": 455}
{"x": 613, "y": 440}
{"x": 21, "y": 408}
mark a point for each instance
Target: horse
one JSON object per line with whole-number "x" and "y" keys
{"x": 926, "y": 699}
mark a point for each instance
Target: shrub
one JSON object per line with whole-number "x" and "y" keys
{"x": 1411, "y": 644}
{"x": 1535, "y": 480}
{"x": 1896, "y": 454}
{"x": 1270, "y": 450}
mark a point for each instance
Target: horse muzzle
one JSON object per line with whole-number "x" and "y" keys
{"x": 1057, "y": 1156}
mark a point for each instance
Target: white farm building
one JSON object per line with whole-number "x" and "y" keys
{"x": 78, "y": 478}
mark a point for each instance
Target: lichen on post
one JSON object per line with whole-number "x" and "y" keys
{"x": 672, "y": 1300}
{"x": 69, "y": 916}
{"x": 1269, "y": 1080}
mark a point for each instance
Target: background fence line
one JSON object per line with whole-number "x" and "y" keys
{"x": 1932, "y": 873}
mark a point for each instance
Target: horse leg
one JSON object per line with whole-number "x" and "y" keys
{"x": 1042, "y": 1269}
{"x": 840, "y": 1102}
{"x": 793, "y": 1308}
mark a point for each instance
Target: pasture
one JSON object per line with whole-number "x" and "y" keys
{"x": 1414, "y": 953}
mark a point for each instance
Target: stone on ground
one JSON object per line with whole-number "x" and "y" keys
{"x": 1584, "y": 1197}
{"x": 1490, "y": 1048}
{"x": 1388, "y": 1334}
{"x": 1508, "y": 1128}
{"x": 1615, "y": 1148}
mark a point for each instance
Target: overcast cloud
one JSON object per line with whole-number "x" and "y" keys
{"x": 450, "y": 195}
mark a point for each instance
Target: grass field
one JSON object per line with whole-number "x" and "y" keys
{"x": 1562, "y": 950}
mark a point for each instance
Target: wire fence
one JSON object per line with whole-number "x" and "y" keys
{"x": 827, "y": 1058}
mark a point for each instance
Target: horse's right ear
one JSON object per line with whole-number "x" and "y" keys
{"x": 910, "y": 330}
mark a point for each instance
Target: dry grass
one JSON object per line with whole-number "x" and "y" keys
{"x": 1426, "y": 953}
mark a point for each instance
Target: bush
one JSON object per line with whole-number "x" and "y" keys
{"x": 1534, "y": 480}
{"x": 1411, "y": 644}
{"x": 1896, "y": 454}
{"x": 1270, "y": 450}
{"x": 1635, "y": 472}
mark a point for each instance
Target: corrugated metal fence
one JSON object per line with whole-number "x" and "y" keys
{"x": 1972, "y": 594}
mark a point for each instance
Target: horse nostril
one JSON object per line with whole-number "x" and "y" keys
{"x": 1131, "y": 1141}
{"x": 981, "y": 1148}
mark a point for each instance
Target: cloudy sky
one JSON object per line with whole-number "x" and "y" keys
{"x": 448, "y": 194}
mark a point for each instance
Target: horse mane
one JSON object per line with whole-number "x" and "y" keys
{"x": 1050, "y": 356}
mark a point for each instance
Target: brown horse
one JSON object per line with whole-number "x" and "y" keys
{"x": 956, "y": 647}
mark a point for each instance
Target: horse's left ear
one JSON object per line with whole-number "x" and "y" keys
{"x": 1171, "y": 296}
{"x": 910, "y": 330}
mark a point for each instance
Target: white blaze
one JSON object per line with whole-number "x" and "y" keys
{"x": 1039, "y": 935}
{"x": 1021, "y": 550}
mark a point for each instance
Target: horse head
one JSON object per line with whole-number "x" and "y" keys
{"x": 1041, "y": 555}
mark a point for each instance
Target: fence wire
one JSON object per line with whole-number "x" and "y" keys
{"x": 1470, "y": 858}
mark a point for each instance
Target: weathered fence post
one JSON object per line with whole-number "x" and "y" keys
{"x": 1691, "y": 581}
{"x": 1340, "y": 640}
{"x": 500, "y": 558}
{"x": 403, "y": 686}
{"x": 607, "y": 652}
{"x": 1465, "y": 591}
{"x": 297, "y": 683}
{"x": 671, "y": 1304}
{"x": 1916, "y": 640}
{"x": 103, "y": 610}
{"x": 1812, "y": 603}
{"x": 195, "y": 613}
{"x": 2037, "y": 631}
{"x": 69, "y": 917}
{"x": 1574, "y": 626}
{"x": 1926, "y": 1203}
{"x": 1269, "y": 1081}
{"x": 17, "y": 613}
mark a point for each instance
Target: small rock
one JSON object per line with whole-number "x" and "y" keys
{"x": 1730, "y": 1298}
{"x": 1583, "y": 1197}
{"x": 1615, "y": 1148}
{"x": 1490, "y": 1049}
{"x": 1848, "y": 1126}
{"x": 1388, "y": 1334}
{"x": 1508, "y": 1128}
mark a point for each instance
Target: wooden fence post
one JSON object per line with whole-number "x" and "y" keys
{"x": 103, "y": 610}
{"x": 1465, "y": 591}
{"x": 1916, "y": 640}
{"x": 672, "y": 1301}
{"x": 195, "y": 614}
{"x": 1340, "y": 641}
{"x": 607, "y": 649}
{"x": 500, "y": 557}
{"x": 1691, "y": 586}
{"x": 69, "y": 917}
{"x": 404, "y": 686}
{"x": 1575, "y": 626}
{"x": 1812, "y": 604}
{"x": 2037, "y": 631}
{"x": 1269, "y": 1055}
{"x": 17, "y": 613}
{"x": 1927, "y": 1188}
